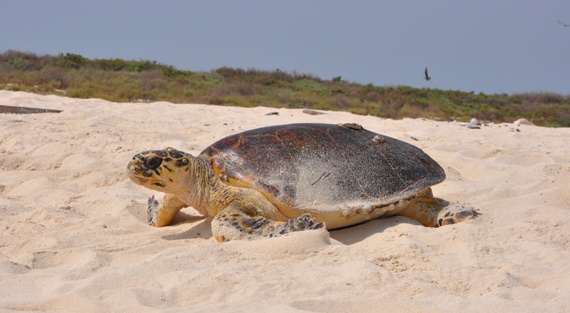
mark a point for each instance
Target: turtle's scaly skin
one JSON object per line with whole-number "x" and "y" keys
{"x": 270, "y": 181}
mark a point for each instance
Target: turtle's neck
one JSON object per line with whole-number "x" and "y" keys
{"x": 197, "y": 184}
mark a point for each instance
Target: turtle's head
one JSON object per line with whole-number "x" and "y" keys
{"x": 163, "y": 170}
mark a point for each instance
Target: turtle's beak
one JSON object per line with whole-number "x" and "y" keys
{"x": 134, "y": 167}
{"x": 136, "y": 172}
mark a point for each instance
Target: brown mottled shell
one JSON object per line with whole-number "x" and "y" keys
{"x": 322, "y": 166}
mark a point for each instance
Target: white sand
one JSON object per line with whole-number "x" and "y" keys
{"x": 74, "y": 237}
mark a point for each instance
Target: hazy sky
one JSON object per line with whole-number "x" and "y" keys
{"x": 491, "y": 46}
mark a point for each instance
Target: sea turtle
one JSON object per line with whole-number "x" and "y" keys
{"x": 274, "y": 180}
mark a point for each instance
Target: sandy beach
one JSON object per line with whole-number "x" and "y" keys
{"x": 74, "y": 236}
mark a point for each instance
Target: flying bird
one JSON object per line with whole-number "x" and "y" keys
{"x": 426, "y": 75}
{"x": 565, "y": 25}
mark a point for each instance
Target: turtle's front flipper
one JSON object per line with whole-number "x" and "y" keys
{"x": 162, "y": 214}
{"x": 235, "y": 224}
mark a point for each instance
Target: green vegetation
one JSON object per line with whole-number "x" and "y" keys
{"x": 134, "y": 81}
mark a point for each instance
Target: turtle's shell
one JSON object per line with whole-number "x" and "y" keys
{"x": 323, "y": 167}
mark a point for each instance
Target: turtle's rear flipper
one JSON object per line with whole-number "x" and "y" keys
{"x": 233, "y": 224}
{"x": 456, "y": 214}
{"x": 435, "y": 212}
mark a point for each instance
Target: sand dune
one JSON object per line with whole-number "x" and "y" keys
{"x": 74, "y": 236}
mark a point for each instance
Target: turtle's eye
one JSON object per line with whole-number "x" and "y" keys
{"x": 153, "y": 163}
